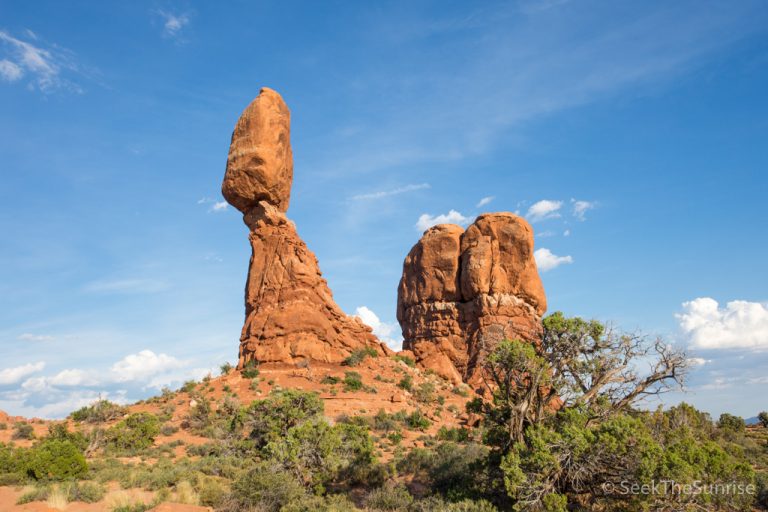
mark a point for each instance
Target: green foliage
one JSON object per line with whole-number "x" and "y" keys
{"x": 59, "y": 431}
{"x": 394, "y": 498}
{"x": 225, "y": 368}
{"x": 266, "y": 488}
{"x": 332, "y": 503}
{"x": 3, "y": 425}
{"x": 188, "y": 386}
{"x": 417, "y": 420}
{"x": 763, "y": 419}
{"x": 330, "y": 379}
{"x": 271, "y": 419}
{"x": 731, "y": 422}
{"x": 353, "y": 381}
{"x": 134, "y": 433}
{"x": 405, "y": 359}
{"x": 100, "y": 411}
{"x": 358, "y": 356}
{"x": 251, "y": 369}
{"x": 55, "y": 460}
{"x": 406, "y": 383}
{"x": 425, "y": 393}
{"x": 446, "y": 469}
{"x": 23, "y": 430}
{"x": 457, "y": 434}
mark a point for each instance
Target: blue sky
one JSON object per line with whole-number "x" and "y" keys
{"x": 632, "y": 135}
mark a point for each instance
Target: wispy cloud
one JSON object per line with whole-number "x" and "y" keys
{"x": 580, "y": 208}
{"x": 215, "y": 206}
{"x": 426, "y": 220}
{"x": 173, "y": 24}
{"x": 138, "y": 285}
{"x": 35, "y": 337}
{"x": 392, "y": 192}
{"x": 389, "y": 333}
{"x": 546, "y": 260}
{"x": 43, "y": 65}
{"x": 544, "y": 209}
{"x": 484, "y": 201}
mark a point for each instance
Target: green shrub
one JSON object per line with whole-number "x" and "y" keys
{"x": 56, "y": 460}
{"x": 265, "y": 488}
{"x": 225, "y": 368}
{"x": 23, "y": 430}
{"x": 3, "y": 425}
{"x": 457, "y": 435}
{"x": 189, "y": 386}
{"x": 87, "y": 492}
{"x": 763, "y": 419}
{"x": 330, "y": 380}
{"x": 406, "y": 383}
{"x": 100, "y": 411}
{"x": 332, "y": 503}
{"x": 405, "y": 359}
{"x": 358, "y": 356}
{"x": 417, "y": 420}
{"x": 731, "y": 422}
{"x": 271, "y": 418}
{"x": 251, "y": 369}
{"x": 136, "y": 432}
{"x": 389, "y": 498}
{"x": 425, "y": 393}
{"x": 212, "y": 492}
{"x": 60, "y": 432}
{"x": 353, "y": 381}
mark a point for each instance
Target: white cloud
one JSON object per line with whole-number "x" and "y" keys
{"x": 143, "y": 365}
{"x": 426, "y": 221}
{"x": 544, "y": 209}
{"x": 698, "y": 361}
{"x": 580, "y": 208}
{"x": 383, "y": 330}
{"x": 392, "y": 192}
{"x": 35, "y": 337}
{"x": 74, "y": 377}
{"x": 43, "y": 65}
{"x": 10, "y": 71}
{"x": 16, "y": 374}
{"x": 484, "y": 201}
{"x": 545, "y": 260}
{"x": 173, "y": 23}
{"x": 219, "y": 206}
{"x": 738, "y": 325}
{"x": 567, "y": 232}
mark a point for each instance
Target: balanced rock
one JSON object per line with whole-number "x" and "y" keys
{"x": 462, "y": 292}
{"x": 290, "y": 314}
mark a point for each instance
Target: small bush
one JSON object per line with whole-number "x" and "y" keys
{"x": 731, "y": 422}
{"x": 330, "y": 380}
{"x": 251, "y": 369}
{"x": 405, "y": 359}
{"x": 100, "y": 411}
{"x": 23, "y": 430}
{"x": 358, "y": 356}
{"x": 417, "y": 420}
{"x": 136, "y": 432}
{"x": 56, "y": 460}
{"x": 3, "y": 425}
{"x": 425, "y": 393}
{"x": 266, "y": 488}
{"x": 763, "y": 419}
{"x": 212, "y": 492}
{"x": 457, "y": 435}
{"x": 389, "y": 498}
{"x": 353, "y": 381}
{"x": 406, "y": 383}
{"x": 461, "y": 391}
{"x": 225, "y": 368}
{"x": 87, "y": 492}
{"x": 189, "y": 386}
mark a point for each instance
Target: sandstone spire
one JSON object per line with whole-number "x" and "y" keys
{"x": 464, "y": 291}
{"x": 290, "y": 313}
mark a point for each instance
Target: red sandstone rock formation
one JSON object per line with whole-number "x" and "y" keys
{"x": 464, "y": 291}
{"x": 290, "y": 314}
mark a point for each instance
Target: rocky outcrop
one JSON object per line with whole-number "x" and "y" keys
{"x": 290, "y": 314}
{"x": 464, "y": 291}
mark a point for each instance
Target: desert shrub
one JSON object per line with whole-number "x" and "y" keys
{"x": 425, "y": 393}
{"x": 384, "y": 422}
{"x": 100, "y": 411}
{"x": 460, "y": 390}
{"x": 168, "y": 429}
{"x": 394, "y": 497}
{"x": 87, "y": 492}
{"x": 225, "y": 368}
{"x": 3, "y": 425}
{"x": 438, "y": 504}
{"x": 251, "y": 369}
{"x": 406, "y": 383}
{"x": 332, "y": 503}
{"x": 353, "y": 381}
{"x": 763, "y": 419}
{"x": 457, "y": 435}
{"x": 188, "y": 386}
{"x": 265, "y": 488}
{"x": 405, "y": 359}
{"x": 358, "y": 356}
{"x": 212, "y": 491}
{"x": 450, "y": 469}
{"x": 134, "y": 433}
{"x": 23, "y": 430}
{"x": 271, "y": 418}
{"x": 330, "y": 380}
{"x": 59, "y": 431}
{"x": 56, "y": 460}
{"x": 417, "y": 420}
{"x": 200, "y": 415}
{"x": 731, "y": 423}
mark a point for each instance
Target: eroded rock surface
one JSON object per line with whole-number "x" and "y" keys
{"x": 464, "y": 291}
{"x": 290, "y": 314}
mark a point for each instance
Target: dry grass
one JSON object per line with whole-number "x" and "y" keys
{"x": 57, "y": 498}
{"x": 185, "y": 494}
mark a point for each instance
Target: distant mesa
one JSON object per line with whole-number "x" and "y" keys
{"x": 290, "y": 314}
{"x": 462, "y": 292}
